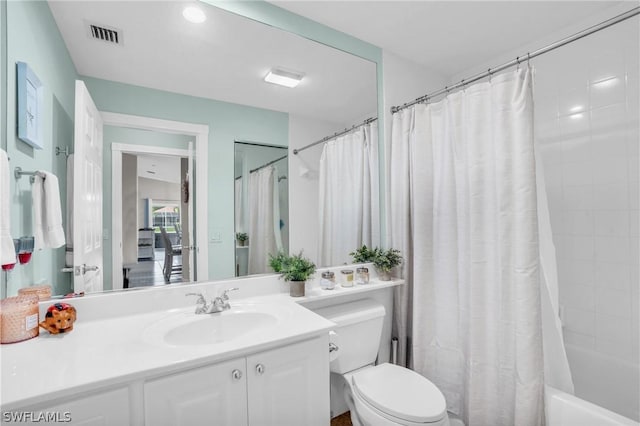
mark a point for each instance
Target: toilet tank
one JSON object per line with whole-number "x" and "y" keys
{"x": 358, "y": 331}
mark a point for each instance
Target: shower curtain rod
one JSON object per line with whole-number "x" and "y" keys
{"x": 577, "y": 36}
{"x": 268, "y": 164}
{"x": 335, "y": 135}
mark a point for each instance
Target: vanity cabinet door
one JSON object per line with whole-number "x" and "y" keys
{"x": 212, "y": 395}
{"x": 290, "y": 385}
{"x": 110, "y": 408}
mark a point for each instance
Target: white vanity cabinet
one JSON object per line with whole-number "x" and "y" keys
{"x": 290, "y": 385}
{"x": 216, "y": 394}
{"x": 283, "y": 386}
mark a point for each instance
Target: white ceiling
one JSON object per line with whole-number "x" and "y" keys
{"x": 159, "y": 167}
{"x": 224, "y": 58}
{"x": 449, "y": 37}
{"x": 227, "y": 57}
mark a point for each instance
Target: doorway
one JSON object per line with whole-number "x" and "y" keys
{"x": 195, "y": 247}
{"x": 155, "y": 219}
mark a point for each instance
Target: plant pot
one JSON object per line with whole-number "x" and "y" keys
{"x": 242, "y": 243}
{"x": 296, "y": 288}
{"x": 384, "y": 275}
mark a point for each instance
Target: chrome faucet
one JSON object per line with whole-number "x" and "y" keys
{"x": 219, "y": 304}
{"x": 201, "y": 303}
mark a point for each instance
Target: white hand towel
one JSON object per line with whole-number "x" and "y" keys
{"x": 47, "y": 213}
{"x": 7, "y": 249}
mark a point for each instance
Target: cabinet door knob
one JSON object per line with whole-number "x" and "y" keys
{"x": 236, "y": 374}
{"x": 260, "y": 369}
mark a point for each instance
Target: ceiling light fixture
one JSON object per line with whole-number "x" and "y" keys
{"x": 194, "y": 14}
{"x": 283, "y": 77}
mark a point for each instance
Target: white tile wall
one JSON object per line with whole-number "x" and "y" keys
{"x": 587, "y": 124}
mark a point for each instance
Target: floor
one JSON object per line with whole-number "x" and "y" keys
{"x": 342, "y": 420}
{"x": 149, "y": 272}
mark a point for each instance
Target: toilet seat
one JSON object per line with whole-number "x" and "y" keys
{"x": 401, "y": 395}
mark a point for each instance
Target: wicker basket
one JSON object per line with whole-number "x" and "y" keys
{"x": 18, "y": 318}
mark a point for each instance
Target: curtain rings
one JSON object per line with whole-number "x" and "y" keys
{"x": 490, "y": 74}
{"x": 528, "y": 60}
{"x": 518, "y": 61}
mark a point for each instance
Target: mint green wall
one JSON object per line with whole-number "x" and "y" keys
{"x": 3, "y": 74}
{"x": 123, "y": 135}
{"x": 32, "y": 37}
{"x": 3, "y": 101}
{"x": 227, "y": 122}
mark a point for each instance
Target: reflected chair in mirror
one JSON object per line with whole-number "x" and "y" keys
{"x": 178, "y": 229}
{"x": 170, "y": 251}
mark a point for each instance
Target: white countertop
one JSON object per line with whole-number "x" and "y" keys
{"x": 115, "y": 350}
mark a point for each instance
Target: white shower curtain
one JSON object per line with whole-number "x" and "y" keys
{"x": 349, "y": 202}
{"x": 264, "y": 218}
{"x": 238, "y": 205}
{"x": 462, "y": 208}
{"x": 557, "y": 372}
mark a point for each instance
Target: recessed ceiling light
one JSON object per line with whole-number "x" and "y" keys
{"x": 283, "y": 77}
{"x": 194, "y": 14}
{"x": 576, "y": 108}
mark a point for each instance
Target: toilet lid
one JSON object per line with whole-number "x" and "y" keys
{"x": 401, "y": 393}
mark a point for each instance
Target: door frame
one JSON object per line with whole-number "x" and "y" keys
{"x": 201, "y": 134}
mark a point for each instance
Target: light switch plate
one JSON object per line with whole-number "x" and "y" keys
{"x": 215, "y": 237}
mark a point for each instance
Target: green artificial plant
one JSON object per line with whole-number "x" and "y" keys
{"x": 386, "y": 260}
{"x": 292, "y": 268}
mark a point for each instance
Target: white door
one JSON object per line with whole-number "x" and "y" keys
{"x": 212, "y": 395}
{"x": 187, "y": 195}
{"x": 87, "y": 195}
{"x": 290, "y": 385}
{"x": 188, "y": 259}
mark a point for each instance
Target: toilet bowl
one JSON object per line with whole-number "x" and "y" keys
{"x": 377, "y": 395}
{"x": 388, "y": 395}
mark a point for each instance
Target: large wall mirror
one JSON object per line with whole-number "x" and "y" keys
{"x": 143, "y": 59}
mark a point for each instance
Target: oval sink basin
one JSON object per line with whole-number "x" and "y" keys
{"x": 185, "y": 328}
{"x": 208, "y": 329}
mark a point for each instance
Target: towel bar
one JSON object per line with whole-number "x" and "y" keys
{"x": 18, "y": 173}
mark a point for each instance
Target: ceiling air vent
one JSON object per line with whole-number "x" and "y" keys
{"x": 110, "y": 35}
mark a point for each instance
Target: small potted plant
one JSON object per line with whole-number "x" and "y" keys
{"x": 242, "y": 238}
{"x": 363, "y": 255}
{"x": 296, "y": 269}
{"x": 385, "y": 261}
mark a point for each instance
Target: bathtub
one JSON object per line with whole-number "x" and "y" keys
{"x": 563, "y": 409}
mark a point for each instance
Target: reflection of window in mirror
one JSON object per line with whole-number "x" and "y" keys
{"x": 261, "y": 205}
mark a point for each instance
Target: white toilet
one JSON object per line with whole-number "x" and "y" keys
{"x": 378, "y": 395}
